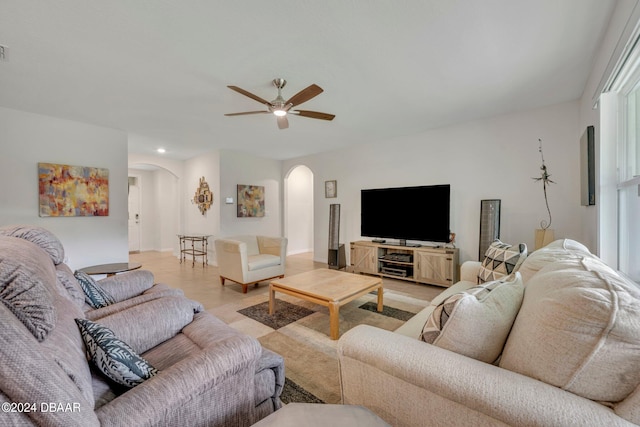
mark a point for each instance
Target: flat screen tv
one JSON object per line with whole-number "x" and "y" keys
{"x": 406, "y": 213}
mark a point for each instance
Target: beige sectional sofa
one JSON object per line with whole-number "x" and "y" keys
{"x": 208, "y": 374}
{"x": 571, "y": 358}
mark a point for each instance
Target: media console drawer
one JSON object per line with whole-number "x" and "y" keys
{"x": 430, "y": 265}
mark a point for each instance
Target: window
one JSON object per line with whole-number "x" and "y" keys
{"x": 628, "y": 167}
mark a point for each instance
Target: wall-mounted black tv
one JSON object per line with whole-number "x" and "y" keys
{"x": 406, "y": 213}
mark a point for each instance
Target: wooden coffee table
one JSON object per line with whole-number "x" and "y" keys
{"x": 331, "y": 288}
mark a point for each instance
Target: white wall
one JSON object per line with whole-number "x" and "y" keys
{"x": 27, "y": 139}
{"x": 495, "y": 158}
{"x": 240, "y": 168}
{"x": 299, "y": 210}
{"x": 166, "y": 192}
{"x": 194, "y": 222}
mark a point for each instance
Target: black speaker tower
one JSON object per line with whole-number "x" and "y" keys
{"x": 337, "y": 259}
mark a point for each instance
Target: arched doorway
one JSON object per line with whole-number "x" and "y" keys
{"x": 298, "y": 204}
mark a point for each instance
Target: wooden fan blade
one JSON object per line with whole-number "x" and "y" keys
{"x": 247, "y": 112}
{"x": 283, "y": 122}
{"x": 249, "y": 94}
{"x": 305, "y": 94}
{"x": 314, "y": 114}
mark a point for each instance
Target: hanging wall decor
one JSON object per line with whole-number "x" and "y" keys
{"x": 331, "y": 189}
{"x": 250, "y": 201}
{"x": 203, "y": 197}
{"x": 65, "y": 190}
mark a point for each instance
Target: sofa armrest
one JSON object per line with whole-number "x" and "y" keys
{"x": 223, "y": 373}
{"x": 98, "y": 313}
{"x": 469, "y": 271}
{"x": 152, "y": 322}
{"x": 232, "y": 258}
{"x": 275, "y": 362}
{"x": 404, "y": 380}
{"x": 127, "y": 285}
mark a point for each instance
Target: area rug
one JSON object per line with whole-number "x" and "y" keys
{"x": 299, "y": 331}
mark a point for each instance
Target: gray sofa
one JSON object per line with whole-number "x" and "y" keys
{"x": 209, "y": 373}
{"x": 571, "y": 356}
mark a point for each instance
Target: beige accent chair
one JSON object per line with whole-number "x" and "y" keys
{"x": 248, "y": 260}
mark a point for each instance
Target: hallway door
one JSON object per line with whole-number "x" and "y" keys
{"x": 134, "y": 214}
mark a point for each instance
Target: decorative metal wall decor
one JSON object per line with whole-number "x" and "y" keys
{"x": 250, "y": 201}
{"x": 65, "y": 190}
{"x": 203, "y": 197}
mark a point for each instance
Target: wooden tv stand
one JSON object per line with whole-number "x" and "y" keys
{"x": 424, "y": 264}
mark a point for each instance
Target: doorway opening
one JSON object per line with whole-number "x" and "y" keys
{"x": 154, "y": 209}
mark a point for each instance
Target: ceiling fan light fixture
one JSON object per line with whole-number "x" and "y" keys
{"x": 280, "y": 108}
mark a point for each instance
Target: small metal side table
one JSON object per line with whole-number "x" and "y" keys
{"x": 199, "y": 245}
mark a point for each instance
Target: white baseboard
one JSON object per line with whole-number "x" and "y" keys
{"x": 301, "y": 251}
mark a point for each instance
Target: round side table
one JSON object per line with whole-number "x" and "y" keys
{"x": 111, "y": 269}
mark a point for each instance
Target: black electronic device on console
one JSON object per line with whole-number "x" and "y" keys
{"x": 398, "y": 257}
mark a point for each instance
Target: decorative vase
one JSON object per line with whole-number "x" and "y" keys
{"x": 544, "y": 236}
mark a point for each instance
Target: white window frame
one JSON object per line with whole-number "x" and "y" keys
{"x": 627, "y": 160}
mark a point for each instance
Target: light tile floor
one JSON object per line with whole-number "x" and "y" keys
{"x": 203, "y": 283}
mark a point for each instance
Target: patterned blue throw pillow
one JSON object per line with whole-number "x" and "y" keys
{"x": 94, "y": 295}
{"x": 112, "y": 356}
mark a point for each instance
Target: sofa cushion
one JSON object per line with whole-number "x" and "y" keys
{"x": 629, "y": 408}
{"x": 577, "y": 329}
{"x": 25, "y": 271}
{"x": 39, "y": 236}
{"x": 476, "y": 323}
{"x": 152, "y": 322}
{"x": 257, "y": 262}
{"x": 554, "y": 251}
{"x": 65, "y": 346}
{"x": 69, "y": 285}
{"x": 500, "y": 260}
{"x": 113, "y": 357}
{"x": 94, "y": 295}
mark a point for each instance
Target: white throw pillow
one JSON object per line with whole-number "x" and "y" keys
{"x": 476, "y": 323}
{"x": 578, "y": 329}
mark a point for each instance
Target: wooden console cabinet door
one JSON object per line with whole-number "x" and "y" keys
{"x": 364, "y": 259}
{"x": 434, "y": 268}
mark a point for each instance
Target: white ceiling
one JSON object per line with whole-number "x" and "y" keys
{"x": 158, "y": 69}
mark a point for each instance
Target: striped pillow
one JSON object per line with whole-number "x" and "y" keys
{"x": 94, "y": 295}
{"x": 113, "y": 357}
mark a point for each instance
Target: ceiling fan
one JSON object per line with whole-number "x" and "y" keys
{"x": 281, "y": 108}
